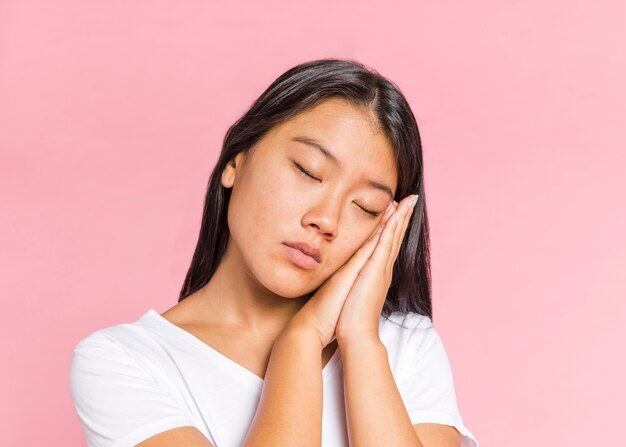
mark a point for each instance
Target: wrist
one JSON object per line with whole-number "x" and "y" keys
{"x": 365, "y": 342}
{"x": 301, "y": 335}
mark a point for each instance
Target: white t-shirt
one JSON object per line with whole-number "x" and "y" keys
{"x": 133, "y": 380}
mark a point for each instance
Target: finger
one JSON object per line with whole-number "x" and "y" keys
{"x": 370, "y": 244}
{"x": 374, "y": 236}
{"x": 385, "y": 242}
{"x": 360, "y": 257}
{"x": 388, "y": 211}
{"x": 401, "y": 236}
{"x": 402, "y": 226}
{"x": 404, "y": 207}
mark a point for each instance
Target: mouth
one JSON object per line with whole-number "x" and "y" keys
{"x": 300, "y": 258}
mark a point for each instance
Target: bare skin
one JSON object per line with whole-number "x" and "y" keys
{"x": 245, "y": 309}
{"x": 256, "y": 289}
{"x": 249, "y": 349}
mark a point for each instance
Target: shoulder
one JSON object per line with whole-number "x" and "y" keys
{"x": 124, "y": 354}
{"x": 406, "y": 337}
{"x": 139, "y": 339}
{"x": 400, "y": 331}
{"x": 120, "y": 398}
{"x": 102, "y": 355}
{"x": 101, "y": 344}
{"x": 408, "y": 321}
{"x": 423, "y": 373}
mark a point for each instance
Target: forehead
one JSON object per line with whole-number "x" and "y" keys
{"x": 336, "y": 118}
{"x": 349, "y": 133}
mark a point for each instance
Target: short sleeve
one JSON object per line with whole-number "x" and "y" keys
{"x": 119, "y": 403}
{"x": 426, "y": 383}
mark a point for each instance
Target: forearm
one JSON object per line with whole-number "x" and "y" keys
{"x": 375, "y": 412}
{"x": 290, "y": 407}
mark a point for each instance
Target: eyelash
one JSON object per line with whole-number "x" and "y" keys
{"x": 307, "y": 174}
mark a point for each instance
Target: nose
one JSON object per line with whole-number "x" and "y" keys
{"x": 324, "y": 217}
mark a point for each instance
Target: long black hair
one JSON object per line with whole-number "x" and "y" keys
{"x": 293, "y": 92}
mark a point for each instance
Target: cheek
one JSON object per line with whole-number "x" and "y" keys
{"x": 259, "y": 208}
{"x": 340, "y": 251}
{"x": 349, "y": 247}
{"x": 278, "y": 202}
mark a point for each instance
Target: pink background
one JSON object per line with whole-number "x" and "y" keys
{"x": 112, "y": 115}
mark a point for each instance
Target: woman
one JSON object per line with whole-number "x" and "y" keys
{"x": 303, "y": 254}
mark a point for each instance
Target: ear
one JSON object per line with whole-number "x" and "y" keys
{"x": 232, "y": 168}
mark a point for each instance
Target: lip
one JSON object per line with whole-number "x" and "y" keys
{"x": 307, "y": 249}
{"x": 300, "y": 258}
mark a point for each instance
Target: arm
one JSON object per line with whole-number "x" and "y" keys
{"x": 375, "y": 409}
{"x": 187, "y": 436}
{"x": 375, "y": 412}
{"x": 290, "y": 409}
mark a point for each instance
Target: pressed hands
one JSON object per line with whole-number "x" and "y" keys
{"x": 349, "y": 303}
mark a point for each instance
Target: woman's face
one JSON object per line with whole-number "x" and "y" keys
{"x": 274, "y": 202}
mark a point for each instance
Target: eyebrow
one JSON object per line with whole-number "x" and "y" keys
{"x": 333, "y": 158}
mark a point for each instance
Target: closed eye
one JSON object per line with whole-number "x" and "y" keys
{"x": 304, "y": 171}
{"x": 308, "y": 174}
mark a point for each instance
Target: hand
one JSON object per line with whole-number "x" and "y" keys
{"x": 363, "y": 306}
{"x": 321, "y": 312}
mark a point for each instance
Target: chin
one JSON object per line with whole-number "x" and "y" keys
{"x": 281, "y": 281}
{"x": 279, "y": 276}
{"x": 291, "y": 289}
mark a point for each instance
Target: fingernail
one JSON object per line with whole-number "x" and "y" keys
{"x": 413, "y": 200}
